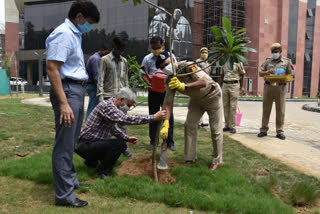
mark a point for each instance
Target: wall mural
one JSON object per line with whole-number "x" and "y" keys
{"x": 181, "y": 34}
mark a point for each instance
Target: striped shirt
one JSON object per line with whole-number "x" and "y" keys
{"x": 102, "y": 122}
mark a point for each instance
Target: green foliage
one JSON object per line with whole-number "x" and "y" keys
{"x": 229, "y": 45}
{"x": 7, "y": 63}
{"x": 302, "y": 194}
{"x": 135, "y": 2}
{"x": 135, "y": 79}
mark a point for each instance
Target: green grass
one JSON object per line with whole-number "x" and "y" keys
{"x": 247, "y": 183}
{"x": 223, "y": 191}
{"x": 302, "y": 194}
{"x": 24, "y": 129}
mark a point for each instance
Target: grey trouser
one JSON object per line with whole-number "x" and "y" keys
{"x": 270, "y": 94}
{"x": 230, "y": 95}
{"x": 64, "y": 172}
{"x": 212, "y": 104}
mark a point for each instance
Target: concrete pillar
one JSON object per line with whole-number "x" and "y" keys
{"x": 29, "y": 73}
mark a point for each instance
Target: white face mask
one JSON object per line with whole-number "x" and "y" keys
{"x": 275, "y": 55}
{"x": 168, "y": 70}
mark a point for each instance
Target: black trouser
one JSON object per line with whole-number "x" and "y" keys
{"x": 155, "y": 101}
{"x": 107, "y": 152}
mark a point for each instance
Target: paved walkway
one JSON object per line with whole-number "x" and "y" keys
{"x": 301, "y": 149}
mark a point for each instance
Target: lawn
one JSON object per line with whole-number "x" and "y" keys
{"x": 248, "y": 182}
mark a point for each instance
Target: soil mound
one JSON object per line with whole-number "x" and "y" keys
{"x": 142, "y": 165}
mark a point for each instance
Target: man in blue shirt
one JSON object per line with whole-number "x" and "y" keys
{"x": 155, "y": 99}
{"x": 68, "y": 77}
{"x": 92, "y": 67}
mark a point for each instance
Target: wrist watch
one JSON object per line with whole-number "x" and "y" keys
{"x": 185, "y": 85}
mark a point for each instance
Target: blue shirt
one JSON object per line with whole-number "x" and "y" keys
{"x": 149, "y": 63}
{"x": 93, "y": 66}
{"x": 64, "y": 45}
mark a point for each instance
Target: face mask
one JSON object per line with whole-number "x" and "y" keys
{"x": 168, "y": 70}
{"x": 124, "y": 108}
{"x": 204, "y": 56}
{"x": 86, "y": 27}
{"x": 157, "y": 52}
{"x": 275, "y": 55}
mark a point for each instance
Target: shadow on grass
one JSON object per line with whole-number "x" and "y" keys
{"x": 196, "y": 187}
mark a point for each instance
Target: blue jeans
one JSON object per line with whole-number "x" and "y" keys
{"x": 93, "y": 100}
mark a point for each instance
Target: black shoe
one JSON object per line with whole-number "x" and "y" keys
{"x": 76, "y": 203}
{"x": 226, "y": 129}
{"x": 204, "y": 124}
{"x": 262, "y": 134}
{"x": 233, "y": 131}
{"x": 150, "y": 147}
{"x": 281, "y": 136}
{"x": 172, "y": 147}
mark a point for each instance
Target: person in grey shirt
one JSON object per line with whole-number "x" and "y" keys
{"x": 113, "y": 75}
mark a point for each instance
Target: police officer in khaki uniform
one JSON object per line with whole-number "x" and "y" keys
{"x": 274, "y": 91}
{"x": 205, "y": 96}
{"x": 230, "y": 82}
{"x": 205, "y": 65}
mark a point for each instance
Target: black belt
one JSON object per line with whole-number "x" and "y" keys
{"x": 80, "y": 82}
{"x": 231, "y": 82}
{"x": 269, "y": 83}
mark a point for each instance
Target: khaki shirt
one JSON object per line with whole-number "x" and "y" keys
{"x": 284, "y": 63}
{"x": 195, "y": 92}
{"x": 204, "y": 65}
{"x": 113, "y": 76}
{"x": 235, "y": 74}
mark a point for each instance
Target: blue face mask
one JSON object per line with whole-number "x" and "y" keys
{"x": 86, "y": 27}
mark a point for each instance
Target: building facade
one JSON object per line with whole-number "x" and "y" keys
{"x": 293, "y": 23}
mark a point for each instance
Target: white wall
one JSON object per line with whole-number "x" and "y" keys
{"x": 11, "y": 11}
{"x": 2, "y": 17}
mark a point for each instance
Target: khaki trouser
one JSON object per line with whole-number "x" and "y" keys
{"x": 230, "y": 95}
{"x": 270, "y": 94}
{"x": 212, "y": 104}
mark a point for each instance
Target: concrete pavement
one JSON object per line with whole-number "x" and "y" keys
{"x": 301, "y": 149}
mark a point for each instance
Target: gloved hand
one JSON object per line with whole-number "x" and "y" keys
{"x": 165, "y": 130}
{"x": 176, "y": 84}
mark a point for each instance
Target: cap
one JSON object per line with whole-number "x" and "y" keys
{"x": 161, "y": 58}
{"x": 203, "y": 48}
{"x": 275, "y": 46}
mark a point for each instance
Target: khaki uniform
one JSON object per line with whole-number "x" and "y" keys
{"x": 113, "y": 75}
{"x": 204, "y": 65}
{"x": 208, "y": 71}
{"x": 207, "y": 99}
{"x": 230, "y": 93}
{"x": 275, "y": 93}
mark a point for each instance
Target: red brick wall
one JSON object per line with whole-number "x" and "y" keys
{"x": 252, "y": 23}
{"x": 298, "y": 83}
{"x": 12, "y": 42}
{"x": 316, "y": 56}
